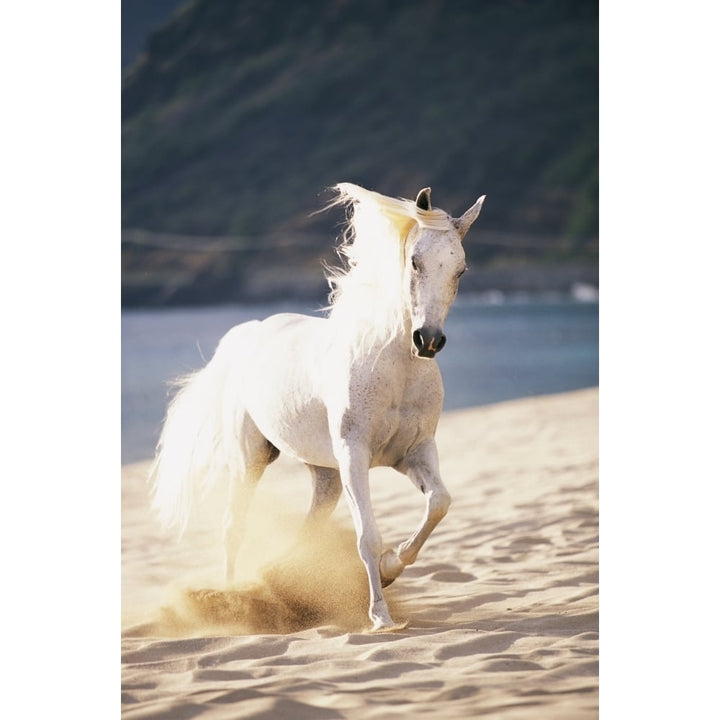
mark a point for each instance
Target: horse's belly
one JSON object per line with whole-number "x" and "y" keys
{"x": 301, "y": 433}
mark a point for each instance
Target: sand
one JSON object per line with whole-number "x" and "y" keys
{"x": 501, "y": 605}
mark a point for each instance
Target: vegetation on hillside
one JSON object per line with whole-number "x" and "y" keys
{"x": 240, "y": 113}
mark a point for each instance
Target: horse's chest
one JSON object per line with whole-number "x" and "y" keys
{"x": 404, "y": 425}
{"x": 394, "y": 438}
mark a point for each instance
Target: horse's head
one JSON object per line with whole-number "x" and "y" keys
{"x": 434, "y": 263}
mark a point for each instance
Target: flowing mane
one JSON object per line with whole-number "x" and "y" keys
{"x": 368, "y": 291}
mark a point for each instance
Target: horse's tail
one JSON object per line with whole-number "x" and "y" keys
{"x": 198, "y": 444}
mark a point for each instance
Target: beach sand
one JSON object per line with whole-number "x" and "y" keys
{"x": 501, "y": 605}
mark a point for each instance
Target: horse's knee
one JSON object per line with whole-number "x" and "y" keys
{"x": 439, "y": 504}
{"x": 369, "y": 545}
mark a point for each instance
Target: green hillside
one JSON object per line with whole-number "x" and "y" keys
{"x": 239, "y": 113}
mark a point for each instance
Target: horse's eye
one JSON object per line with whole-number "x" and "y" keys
{"x": 414, "y": 263}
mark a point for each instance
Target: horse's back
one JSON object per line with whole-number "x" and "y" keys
{"x": 237, "y": 338}
{"x": 244, "y": 343}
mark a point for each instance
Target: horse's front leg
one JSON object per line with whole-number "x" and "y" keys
{"x": 422, "y": 467}
{"x": 354, "y": 462}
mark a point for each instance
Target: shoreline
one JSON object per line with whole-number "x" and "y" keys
{"x": 299, "y": 284}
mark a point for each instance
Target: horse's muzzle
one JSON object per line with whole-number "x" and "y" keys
{"x": 428, "y": 341}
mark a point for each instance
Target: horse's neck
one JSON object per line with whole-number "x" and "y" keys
{"x": 369, "y": 333}
{"x": 392, "y": 347}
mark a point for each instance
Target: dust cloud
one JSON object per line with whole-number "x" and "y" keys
{"x": 296, "y": 575}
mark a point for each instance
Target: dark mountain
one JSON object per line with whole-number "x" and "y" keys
{"x": 140, "y": 18}
{"x": 240, "y": 112}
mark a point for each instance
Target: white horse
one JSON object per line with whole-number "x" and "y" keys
{"x": 342, "y": 394}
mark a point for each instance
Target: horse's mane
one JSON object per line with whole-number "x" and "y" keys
{"x": 367, "y": 292}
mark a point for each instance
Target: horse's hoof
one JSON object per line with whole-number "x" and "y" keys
{"x": 387, "y": 627}
{"x": 390, "y": 567}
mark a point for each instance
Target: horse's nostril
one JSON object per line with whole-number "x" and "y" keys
{"x": 428, "y": 341}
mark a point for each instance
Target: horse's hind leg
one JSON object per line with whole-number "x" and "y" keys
{"x": 257, "y": 454}
{"x": 422, "y": 467}
{"x": 327, "y": 489}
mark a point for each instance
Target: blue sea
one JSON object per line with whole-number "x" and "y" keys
{"x": 498, "y": 349}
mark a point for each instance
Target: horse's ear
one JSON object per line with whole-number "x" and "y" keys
{"x": 423, "y": 199}
{"x": 462, "y": 224}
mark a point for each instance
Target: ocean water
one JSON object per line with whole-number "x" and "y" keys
{"x": 497, "y": 350}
